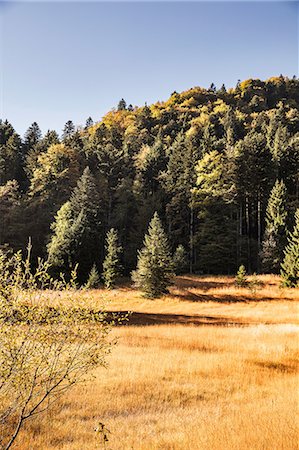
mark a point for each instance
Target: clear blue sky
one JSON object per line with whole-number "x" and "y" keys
{"x": 62, "y": 61}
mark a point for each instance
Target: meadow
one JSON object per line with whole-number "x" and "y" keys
{"x": 208, "y": 366}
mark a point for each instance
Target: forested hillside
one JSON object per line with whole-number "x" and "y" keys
{"x": 221, "y": 168}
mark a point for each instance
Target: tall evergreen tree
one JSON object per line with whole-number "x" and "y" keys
{"x": 62, "y": 241}
{"x": 154, "y": 267}
{"x": 178, "y": 180}
{"x": 11, "y": 160}
{"x": 32, "y": 137}
{"x": 68, "y": 130}
{"x": 89, "y": 122}
{"x": 276, "y": 229}
{"x": 290, "y": 265}
{"x": 111, "y": 264}
{"x": 122, "y": 105}
{"x": 77, "y": 228}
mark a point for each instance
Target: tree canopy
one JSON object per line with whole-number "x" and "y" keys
{"x": 206, "y": 160}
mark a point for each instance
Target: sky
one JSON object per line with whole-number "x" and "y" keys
{"x": 64, "y": 61}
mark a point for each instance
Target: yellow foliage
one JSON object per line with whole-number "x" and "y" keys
{"x": 59, "y": 162}
{"x": 120, "y": 118}
{"x": 220, "y": 107}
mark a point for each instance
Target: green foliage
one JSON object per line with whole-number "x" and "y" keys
{"x": 241, "y": 279}
{"x": 180, "y": 260}
{"x": 56, "y": 172}
{"x": 68, "y": 131}
{"x": 290, "y": 265}
{"x": 275, "y": 233}
{"x": 76, "y": 227}
{"x": 111, "y": 264}
{"x": 59, "y": 247}
{"x": 154, "y": 267}
{"x": 205, "y": 159}
{"x": 93, "y": 280}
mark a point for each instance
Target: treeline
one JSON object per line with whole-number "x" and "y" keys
{"x": 221, "y": 168}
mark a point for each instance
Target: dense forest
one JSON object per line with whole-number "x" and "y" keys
{"x": 220, "y": 167}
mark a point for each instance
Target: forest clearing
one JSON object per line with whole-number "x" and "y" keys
{"x": 149, "y": 225}
{"x": 208, "y": 366}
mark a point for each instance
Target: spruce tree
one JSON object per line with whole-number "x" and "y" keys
{"x": 32, "y": 136}
{"x": 154, "y": 266}
{"x": 59, "y": 247}
{"x": 89, "y": 122}
{"x": 290, "y": 265}
{"x": 76, "y": 229}
{"x": 180, "y": 260}
{"x": 68, "y": 130}
{"x": 275, "y": 233}
{"x": 93, "y": 278}
{"x": 111, "y": 264}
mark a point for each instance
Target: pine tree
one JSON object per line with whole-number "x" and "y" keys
{"x": 93, "y": 278}
{"x": 111, "y": 264}
{"x": 275, "y": 233}
{"x": 180, "y": 260}
{"x": 154, "y": 267}
{"x": 290, "y": 265}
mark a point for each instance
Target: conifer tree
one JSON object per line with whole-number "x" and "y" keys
{"x": 111, "y": 264}
{"x": 122, "y": 105}
{"x": 68, "y": 130}
{"x": 275, "y": 234}
{"x": 89, "y": 122}
{"x": 76, "y": 229}
{"x": 32, "y": 137}
{"x": 154, "y": 266}
{"x": 59, "y": 247}
{"x": 93, "y": 278}
{"x": 180, "y": 260}
{"x": 290, "y": 265}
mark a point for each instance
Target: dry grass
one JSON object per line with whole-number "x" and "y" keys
{"x": 181, "y": 386}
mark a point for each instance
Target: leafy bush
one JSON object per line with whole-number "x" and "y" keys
{"x": 44, "y": 351}
{"x": 93, "y": 281}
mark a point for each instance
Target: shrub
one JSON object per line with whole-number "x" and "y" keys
{"x": 44, "y": 351}
{"x": 241, "y": 279}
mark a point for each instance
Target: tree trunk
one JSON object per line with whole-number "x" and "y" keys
{"x": 248, "y": 234}
{"x": 259, "y": 237}
{"x": 191, "y": 238}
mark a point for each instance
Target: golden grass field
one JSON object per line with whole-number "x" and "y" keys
{"x": 209, "y": 366}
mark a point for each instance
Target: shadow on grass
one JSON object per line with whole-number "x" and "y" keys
{"x": 279, "y": 367}
{"x": 189, "y": 281}
{"x": 186, "y": 295}
{"x": 141, "y": 319}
